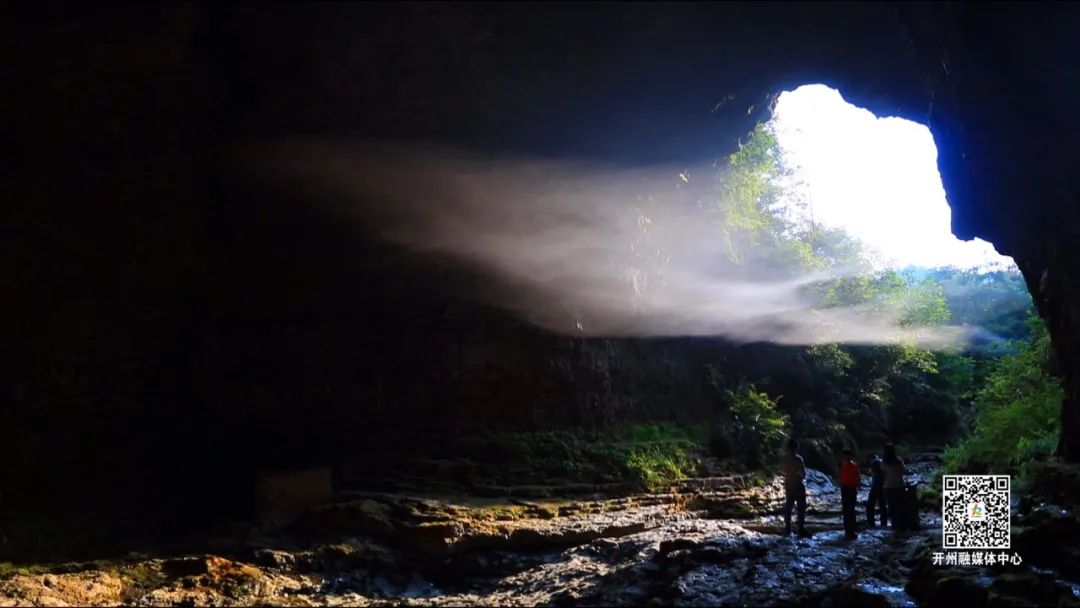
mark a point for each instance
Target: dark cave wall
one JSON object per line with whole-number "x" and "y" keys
{"x": 1003, "y": 116}
{"x": 106, "y": 233}
{"x": 174, "y": 326}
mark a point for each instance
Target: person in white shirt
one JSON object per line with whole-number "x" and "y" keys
{"x": 794, "y": 471}
{"x": 892, "y": 469}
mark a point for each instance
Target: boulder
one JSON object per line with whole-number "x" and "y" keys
{"x": 923, "y": 581}
{"x": 432, "y": 538}
{"x": 1026, "y": 586}
{"x": 1057, "y": 482}
{"x": 960, "y": 591}
{"x": 184, "y": 566}
{"x": 271, "y": 558}
{"x": 1046, "y": 537}
{"x": 853, "y": 596}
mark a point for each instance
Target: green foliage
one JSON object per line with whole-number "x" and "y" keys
{"x": 751, "y": 209}
{"x": 1017, "y": 413}
{"x": 658, "y": 465}
{"x": 654, "y": 454}
{"x": 997, "y": 301}
{"x": 648, "y": 455}
{"x": 864, "y": 393}
{"x": 8, "y": 569}
{"x": 143, "y": 577}
{"x": 920, "y": 303}
{"x": 753, "y": 428}
{"x": 830, "y": 360}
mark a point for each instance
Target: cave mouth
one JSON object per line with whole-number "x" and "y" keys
{"x": 874, "y": 177}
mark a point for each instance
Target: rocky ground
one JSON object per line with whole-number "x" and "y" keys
{"x": 711, "y": 541}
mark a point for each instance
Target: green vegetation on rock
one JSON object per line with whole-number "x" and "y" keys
{"x": 1017, "y": 416}
{"x": 752, "y": 429}
{"x": 646, "y": 456}
{"x": 8, "y": 569}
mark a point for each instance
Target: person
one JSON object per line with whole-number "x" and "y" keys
{"x": 794, "y": 471}
{"x": 875, "y": 501}
{"x": 893, "y": 482}
{"x": 849, "y": 490}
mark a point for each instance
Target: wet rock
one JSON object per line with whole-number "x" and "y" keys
{"x": 1047, "y": 536}
{"x": 1051, "y": 520}
{"x": 604, "y": 546}
{"x": 924, "y": 578}
{"x": 645, "y": 549}
{"x": 218, "y": 568}
{"x": 84, "y": 589}
{"x": 362, "y": 517}
{"x": 269, "y": 558}
{"x": 568, "y": 536}
{"x": 1005, "y": 601}
{"x": 729, "y": 508}
{"x": 186, "y": 566}
{"x": 820, "y": 456}
{"x": 856, "y": 597}
{"x": 1019, "y": 587}
{"x": 960, "y": 591}
{"x": 1056, "y": 482}
{"x": 478, "y": 569}
{"x": 669, "y": 547}
{"x": 431, "y": 538}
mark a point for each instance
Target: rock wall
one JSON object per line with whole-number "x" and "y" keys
{"x": 173, "y": 326}
{"x": 1001, "y": 116}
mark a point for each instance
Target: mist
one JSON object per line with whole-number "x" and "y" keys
{"x": 585, "y": 249}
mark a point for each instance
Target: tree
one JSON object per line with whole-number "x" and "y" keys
{"x": 875, "y": 392}
{"x": 1017, "y": 418}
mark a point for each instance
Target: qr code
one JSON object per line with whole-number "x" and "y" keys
{"x": 975, "y": 512}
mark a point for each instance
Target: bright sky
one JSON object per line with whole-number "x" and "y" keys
{"x": 875, "y": 177}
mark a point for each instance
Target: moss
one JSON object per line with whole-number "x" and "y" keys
{"x": 238, "y": 588}
{"x": 546, "y": 511}
{"x": 732, "y": 509}
{"x": 338, "y": 550}
{"x": 8, "y": 569}
{"x": 504, "y": 512}
{"x": 144, "y": 575}
{"x": 138, "y": 580}
{"x": 538, "y": 464}
{"x": 568, "y": 462}
{"x": 756, "y": 479}
{"x": 375, "y": 509}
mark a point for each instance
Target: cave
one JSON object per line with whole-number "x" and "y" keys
{"x": 177, "y": 326}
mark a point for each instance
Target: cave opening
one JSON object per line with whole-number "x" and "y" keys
{"x": 874, "y": 180}
{"x": 876, "y": 177}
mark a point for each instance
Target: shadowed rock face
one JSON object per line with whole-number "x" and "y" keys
{"x": 166, "y": 307}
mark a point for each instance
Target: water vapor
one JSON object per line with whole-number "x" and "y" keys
{"x": 586, "y": 249}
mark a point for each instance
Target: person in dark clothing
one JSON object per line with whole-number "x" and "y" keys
{"x": 849, "y": 489}
{"x": 876, "y": 500}
{"x": 893, "y": 473}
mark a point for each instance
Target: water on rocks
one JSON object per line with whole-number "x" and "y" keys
{"x": 709, "y": 542}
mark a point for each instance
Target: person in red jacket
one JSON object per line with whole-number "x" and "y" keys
{"x": 849, "y": 489}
